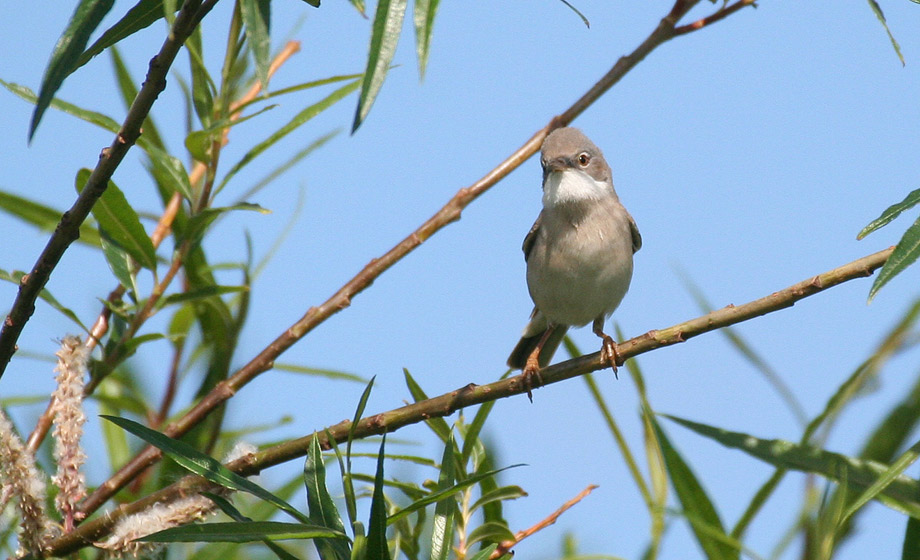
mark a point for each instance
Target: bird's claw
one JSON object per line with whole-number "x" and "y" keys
{"x": 609, "y": 353}
{"x": 531, "y": 378}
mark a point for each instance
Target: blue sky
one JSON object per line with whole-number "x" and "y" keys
{"x": 749, "y": 153}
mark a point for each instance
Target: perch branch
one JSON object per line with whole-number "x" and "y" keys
{"x": 68, "y": 229}
{"x": 448, "y": 403}
{"x": 449, "y": 213}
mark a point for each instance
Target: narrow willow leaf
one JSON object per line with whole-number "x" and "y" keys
{"x": 903, "y": 494}
{"x": 120, "y": 222}
{"x": 227, "y": 507}
{"x": 905, "y": 253}
{"x": 314, "y": 3}
{"x": 203, "y": 87}
{"x": 439, "y": 495}
{"x": 891, "y": 213}
{"x": 348, "y": 489}
{"x": 321, "y": 508}
{"x": 300, "y": 87}
{"x": 121, "y": 264}
{"x": 237, "y": 532}
{"x": 320, "y": 372}
{"x": 198, "y": 142}
{"x": 442, "y": 534}
{"x": 170, "y": 170}
{"x": 359, "y": 412}
{"x": 437, "y": 425}
{"x": 140, "y": 16}
{"x": 16, "y": 278}
{"x": 581, "y": 15}
{"x": 502, "y": 494}
{"x": 423, "y": 18}
{"x": 44, "y": 217}
{"x": 301, "y": 118}
{"x": 491, "y": 531}
{"x": 66, "y": 53}
{"x": 198, "y": 225}
{"x": 359, "y": 5}
{"x": 377, "y": 548}
{"x": 910, "y": 549}
{"x": 102, "y": 121}
{"x": 257, "y": 19}
{"x": 204, "y": 465}
{"x": 485, "y": 553}
{"x": 886, "y": 478}
{"x": 704, "y": 520}
{"x": 471, "y": 437}
{"x": 201, "y": 293}
{"x": 388, "y": 21}
{"x": 881, "y": 17}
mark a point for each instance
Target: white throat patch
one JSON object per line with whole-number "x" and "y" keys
{"x": 572, "y": 186}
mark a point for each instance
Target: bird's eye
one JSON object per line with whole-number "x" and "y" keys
{"x": 584, "y": 159}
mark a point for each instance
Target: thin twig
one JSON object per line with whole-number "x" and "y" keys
{"x": 449, "y": 213}
{"x": 722, "y": 13}
{"x": 68, "y": 229}
{"x": 448, "y": 403}
{"x": 506, "y": 546}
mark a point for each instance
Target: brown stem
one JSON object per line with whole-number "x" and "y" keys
{"x": 68, "y": 228}
{"x": 448, "y": 403}
{"x": 505, "y": 547}
{"x": 722, "y": 13}
{"x": 449, "y": 213}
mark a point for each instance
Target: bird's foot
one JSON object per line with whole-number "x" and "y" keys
{"x": 609, "y": 353}
{"x": 531, "y": 378}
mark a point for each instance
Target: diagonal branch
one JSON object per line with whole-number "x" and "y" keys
{"x": 448, "y": 403}
{"x": 68, "y": 229}
{"x": 449, "y": 213}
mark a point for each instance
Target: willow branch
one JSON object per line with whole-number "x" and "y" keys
{"x": 448, "y": 403}
{"x": 68, "y": 229}
{"x": 449, "y": 213}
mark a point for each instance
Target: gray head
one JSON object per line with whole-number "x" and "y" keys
{"x": 568, "y": 148}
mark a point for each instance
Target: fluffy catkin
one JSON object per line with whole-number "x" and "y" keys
{"x": 68, "y": 418}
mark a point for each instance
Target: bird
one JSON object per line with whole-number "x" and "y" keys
{"x": 579, "y": 253}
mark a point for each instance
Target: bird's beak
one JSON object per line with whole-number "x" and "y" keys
{"x": 557, "y": 164}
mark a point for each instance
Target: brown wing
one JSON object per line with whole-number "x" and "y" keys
{"x": 531, "y": 237}
{"x": 636, "y": 237}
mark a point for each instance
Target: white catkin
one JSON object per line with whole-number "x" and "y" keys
{"x": 68, "y": 417}
{"x": 23, "y": 484}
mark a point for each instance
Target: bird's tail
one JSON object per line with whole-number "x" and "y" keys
{"x": 527, "y": 344}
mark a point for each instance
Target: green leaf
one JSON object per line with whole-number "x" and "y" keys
{"x": 442, "y": 534}
{"x": 44, "y": 217}
{"x": 301, "y": 118}
{"x": 485, "y": 553}
{"x": 201, "y": 293}
{"x": 491, "y": 531}
{"x": 241, "y": 532}
{"x": 905, "y": 253}
{"x": 205, "y": 466}
{"x": 257, "y": 19}
{"x": 881, "y": 17}
{"x": 203, "y": 88}
{"x": 902, "y": 494}
{"x": 359, "y": 5}
{"x": 438, "y": 425}
{"x": 502, "y": 493}
{"x": 198, "y": 142}
{"x": 300, "y": 87}
{"x": 377, "y": 548}
{"x": 171, "y": 170}
{"x": 120, "y": 263}
{"x": 388, "y": 21}
{"x": 16, "y": 278}
{"x": 471, "y": 437}
{"x": 120, "y": 222}
{"x": 320, "y": 372}
{"x": 910, "y": 549}
{"x": 359, "y": 412}
{"x": 696, "y": 503}
{"x": 581, "y": 15}
{"x": 66, "y": 53}
{"x": 884, "y": 480}
{"x": 446, "y": 492}
{"x": 102, "y": 121}
{"x": 314, "y": 3}
{"x": 423, "y": 18}
{"x": 198, "y": 224}
{"x": 141, "y": 16}
{"x": 227, "y": 507}
{"x": 891, "y": 213}
{"x": 321, "y": 508}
